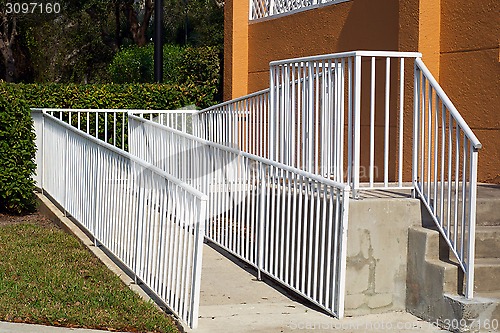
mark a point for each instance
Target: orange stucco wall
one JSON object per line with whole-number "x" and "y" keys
{"x": 235, "y": 48}
{"x": 470, "y": 73}
{"x": 459, "y": 40}
{"x": 352, "y": 25}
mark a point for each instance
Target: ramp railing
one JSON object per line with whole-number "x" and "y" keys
{"x": 241, "y": 123}
{"x": 289, "y": 224}
{"x": 358, "y": 107}
{"x": 111, "y": 125}
{"x": 277, "y": 165}
{"x": 150, "y": 221}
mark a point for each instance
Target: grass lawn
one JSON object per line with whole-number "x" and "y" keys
{"x": 48, "y": 277}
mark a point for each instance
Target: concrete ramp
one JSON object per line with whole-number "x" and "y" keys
{"x": 233, "y": 300}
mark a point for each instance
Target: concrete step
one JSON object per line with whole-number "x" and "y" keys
{"x": 488, "y": 242}
{"x": 479, "y": 314}
{"x": 495, "y": 295}
{"x": 488, "y": 213}
{"x": 488, "y": 201}
{"x": 487, "y": 273}
{"x": 432, "y": 279}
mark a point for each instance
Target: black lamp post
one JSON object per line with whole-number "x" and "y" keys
{"x": 158, "y": 34}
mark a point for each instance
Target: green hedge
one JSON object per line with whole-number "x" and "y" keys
{"x": 185, "y": 66}
{"x": 112, "y": 96}
{"x": 17, "y": 155}
{"x": 17, "y": 138}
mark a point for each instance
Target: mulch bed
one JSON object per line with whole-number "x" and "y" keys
{"x": 34, "y": 218}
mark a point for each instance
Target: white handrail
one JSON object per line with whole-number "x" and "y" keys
{"x": 449, "y": 105}
{"x": 261, "y": 211}
{"x": 445, "y": 157}
{"x": 139, "y": 111}
{"x": 141, "y": 214}
{"x": 129, "y": 156}
{"x": 245, "y": 154}
{"x": 391, "y": 54}
{"x": 232, "y": 101}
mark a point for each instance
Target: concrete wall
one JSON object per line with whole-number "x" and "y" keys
{"x": 377, "y": 254}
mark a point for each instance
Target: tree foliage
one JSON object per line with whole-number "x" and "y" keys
{"x": 135, "y": 64}
{"x": 194, "y": 22}
{"x": 78, "y": 44}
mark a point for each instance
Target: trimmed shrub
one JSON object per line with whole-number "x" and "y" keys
{"x": 112, "y": 96}
{"x": 17, "y": 155}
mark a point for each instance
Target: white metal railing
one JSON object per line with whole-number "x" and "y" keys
{"x": 273, "y": 162}
{"x": 377, "y": 94}
{"x": 267, "y": 8}
{"x": 182, "y": 120}
{"x": 241, "y": 123}
{"x": 312, "y": 99}
{"x": 152, "y": 222}
{"x": 288, "y": 223}
{"x": 110, "y": 125}
{"x": 445, "y": 168}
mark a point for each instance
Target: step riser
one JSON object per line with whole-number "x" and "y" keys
{"x": 487, "y": 278}
{"x": 487, "y": 244}
{"x": 488, "y": 212}
{"x": 432, "y": 284}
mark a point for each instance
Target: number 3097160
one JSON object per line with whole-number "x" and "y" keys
{"x": 32, "y": 8}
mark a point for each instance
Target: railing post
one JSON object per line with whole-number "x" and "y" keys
{"x": 66, "y": 174}
{"x": 260, "y": 241}
{"x": 343, "y": 250}
{"x": 42, "y": 177}
{"x": 197, "y": 264}
{"x": 139, "y": 185}
{"x": 310, "y": 119}
{"x": 272, "y": 111}
{"x": 416, "y": 108}
{"x": 97, "y": 167}
{"x": 469, "y": 292}
{"x": 357, "y": 126}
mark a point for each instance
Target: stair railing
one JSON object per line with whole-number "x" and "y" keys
{"x": 445, "y": 152}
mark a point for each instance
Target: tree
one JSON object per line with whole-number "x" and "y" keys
{"x": 8, "y": 33}
{"x": 75, "y": 46}
{"x": 195, "y": 22}
{"x": 138, "y": 15}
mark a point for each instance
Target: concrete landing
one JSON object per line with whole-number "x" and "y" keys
{"x": 233, "y": 300}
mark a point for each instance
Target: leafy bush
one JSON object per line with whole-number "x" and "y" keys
{"x": 17, "y": 155}
{"x": 201, "y": 66}
{"x": 112, "y": 96}
{"x": 194, "y": 66}
{"x": 136, "y": 65}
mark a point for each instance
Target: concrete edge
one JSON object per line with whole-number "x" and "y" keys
{"x": 50, "y": 210}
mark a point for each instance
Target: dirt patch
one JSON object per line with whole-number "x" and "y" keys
{"x": 35, "y": 218}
